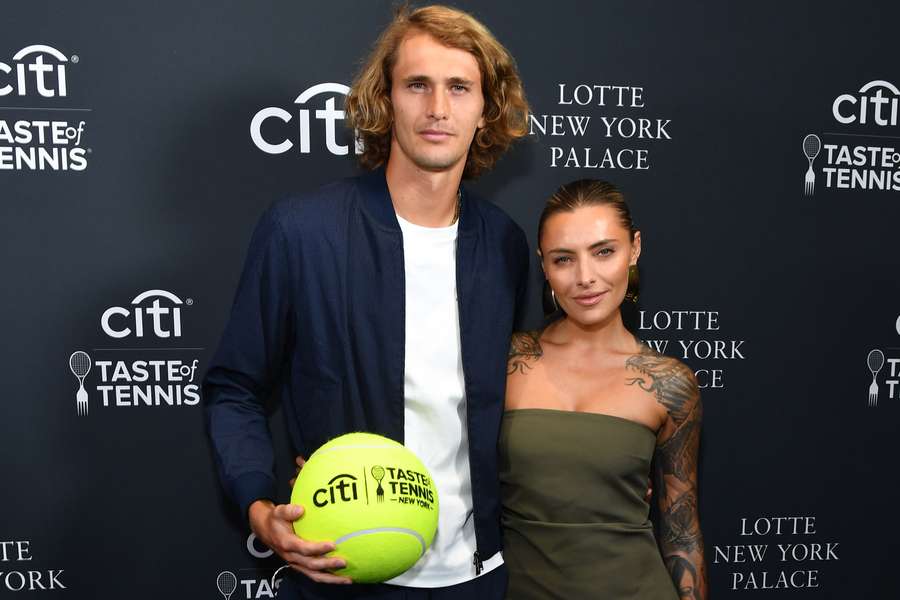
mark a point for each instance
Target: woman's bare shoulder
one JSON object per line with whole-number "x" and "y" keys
{"x": 671, "y": 381}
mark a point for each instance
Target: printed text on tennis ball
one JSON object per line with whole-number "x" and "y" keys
{"x": 406, "y": 486}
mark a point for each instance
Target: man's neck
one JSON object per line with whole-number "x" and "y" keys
{"x": 426, "y": 198}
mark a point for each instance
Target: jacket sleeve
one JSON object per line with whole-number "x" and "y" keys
{"x": 523, "y": 256}
{"x": 246, "y": 366}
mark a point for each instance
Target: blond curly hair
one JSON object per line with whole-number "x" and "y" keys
{"x": 368, "y": 107}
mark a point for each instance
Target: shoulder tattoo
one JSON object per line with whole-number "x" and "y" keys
{"x": 673, "y": 384}
{"x": 525, "y": 348}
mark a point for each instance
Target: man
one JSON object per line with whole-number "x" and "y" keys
{"x": 385, "y": 303}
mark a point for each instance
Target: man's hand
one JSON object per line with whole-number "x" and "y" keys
{"x": 272, "y": 524}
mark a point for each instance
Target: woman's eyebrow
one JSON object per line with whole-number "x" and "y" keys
{"x": 591, "y": 247}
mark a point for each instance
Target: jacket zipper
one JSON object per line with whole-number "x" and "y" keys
{"x": 476, "y": 559}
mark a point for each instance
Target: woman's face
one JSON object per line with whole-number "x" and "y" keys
{"x": 585, "y": 255}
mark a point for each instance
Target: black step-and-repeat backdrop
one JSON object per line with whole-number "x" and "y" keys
{"x": 759, "y": 145}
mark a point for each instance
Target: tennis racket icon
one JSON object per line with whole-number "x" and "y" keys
{"x": 378, "y": 475}
{"x": 80, "y": 365}
{"x": 227, "y": 583}
{"x": 811, "y": 147}
{"x": 875, "y": 361}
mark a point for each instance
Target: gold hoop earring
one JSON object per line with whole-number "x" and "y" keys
{"x": 634, "y": 284}
{"x": 548, "y": 300}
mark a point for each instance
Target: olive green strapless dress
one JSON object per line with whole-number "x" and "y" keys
{"x": 575, "y": 520}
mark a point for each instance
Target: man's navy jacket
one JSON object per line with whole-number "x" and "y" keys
{"x": 319, "y": 315}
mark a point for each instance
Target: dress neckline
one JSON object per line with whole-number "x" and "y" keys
{"x": 510, "y": 412}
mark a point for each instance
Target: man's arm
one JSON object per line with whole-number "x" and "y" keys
{"x": 523, "y": 257}
{"x": 249, "y": 361}
{"x": 246, "y": 365}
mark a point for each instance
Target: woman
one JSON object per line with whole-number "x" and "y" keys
{"x": 587, "y": 408}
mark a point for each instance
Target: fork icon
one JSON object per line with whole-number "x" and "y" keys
{"x": 875, "y": 360}
{"x": 80, "y": 365}
{"x": 378, "y": 475}
{"x": 811, "y": 147}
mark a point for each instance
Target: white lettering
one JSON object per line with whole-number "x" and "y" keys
{"x": 620, "y": 95}
{"x": 22, "y": 549}
{"x": 330, "y": 115}
{"x": 780, "y": 526}
{"x": 876, "y": 101}
{"x": 252, "y": 547}
{"x": 166, "y": 320}
{"x": 256, "y": 130}
{"x": 41, "y": 70}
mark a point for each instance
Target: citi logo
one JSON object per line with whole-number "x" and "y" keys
{"x": 329, "y": 115}
{"x": 161, "y": 308}
{"x": 341, "y": 488}
{"x": 38, "y": 68}
{"x": 876, "y": 102}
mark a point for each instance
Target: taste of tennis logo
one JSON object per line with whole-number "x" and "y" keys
{"x": 247, "y": 583}
{"x": 885, "y": 373}
{"x": 405, "y": 486}
{"x": 857, "y": 163}
{"x": 134, "y": 368}
{"x": 231, "y": 585}
{"x": 29, "y": 140}
{"x": 280, "y": 134}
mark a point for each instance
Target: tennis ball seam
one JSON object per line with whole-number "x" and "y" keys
{"x": 362, "y": 532}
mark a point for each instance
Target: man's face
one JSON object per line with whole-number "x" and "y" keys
{"x": 437, "y": 103}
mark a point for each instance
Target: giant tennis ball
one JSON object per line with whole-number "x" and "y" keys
{"x": 374, "y": 499}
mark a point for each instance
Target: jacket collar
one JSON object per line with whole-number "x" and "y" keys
{"x": 378, "y": 204}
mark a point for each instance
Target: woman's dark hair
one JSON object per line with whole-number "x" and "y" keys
{"x": 586, "y": 192}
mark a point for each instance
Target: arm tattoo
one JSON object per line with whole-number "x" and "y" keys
{"x": 681, "y": 540}
{"x": 678, "y": 527}
{"x": 685, "y": 577}
{"x": 675, "y": 454}
{"x": 524, "y": 348}
{"x": 671, "y": 382}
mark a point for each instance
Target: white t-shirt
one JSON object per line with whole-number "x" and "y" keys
{"x": 435, "y": 408}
